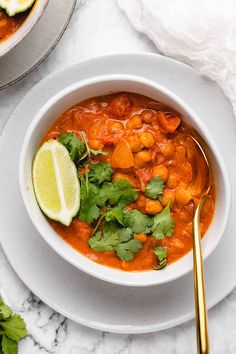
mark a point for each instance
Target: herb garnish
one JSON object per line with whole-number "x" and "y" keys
{"x": 101, "y": 198}
{"x": 12, "y": 329}
{"x": 106, "y": 241}
{"x": 163, "y": 224}
{"x": 112, "y": 237}
{"x": 103, "y": 201}
{"x": 115, "y": 214}
{"x": 74, "y": 145}
{"x": 128, "y": 245}
{"x": 99, "y": 173}
{"x": 89, "y": 211}
{"x": 161, "y": 253}
{"x": 137, "y": 221}
{"x": 78, "y": 149}
{"x": 121, "y": 191}
{"x": 154, "y": 188}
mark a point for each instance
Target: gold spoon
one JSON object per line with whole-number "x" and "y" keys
{"x": 200, "y": 187}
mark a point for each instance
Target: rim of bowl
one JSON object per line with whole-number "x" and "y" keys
{"x": 203, "y": 132}
{"x": 31, "y": 20}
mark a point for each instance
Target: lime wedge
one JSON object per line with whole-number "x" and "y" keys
{"x": 56, "y": 182}
{"x": 14, "y": 7}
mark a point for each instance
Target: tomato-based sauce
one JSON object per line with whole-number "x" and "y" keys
{"x": 9, "y": 25}
{"x": 153, "y": 140}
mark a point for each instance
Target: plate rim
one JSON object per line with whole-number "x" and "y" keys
{"x": 121, "y": 329}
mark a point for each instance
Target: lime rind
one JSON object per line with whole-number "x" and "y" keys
{"x": 65, "y": 215}
{"x": 14, "y": 7}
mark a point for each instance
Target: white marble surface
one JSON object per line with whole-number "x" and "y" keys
{"x": 100, "y": 28}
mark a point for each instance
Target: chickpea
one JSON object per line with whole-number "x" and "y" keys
{"x": 167, "y": 195}
{"x": 183, "y": 196}
{"x": 141, "y": 237}
{"x": 142, "y": 158}
{"x": 173, "y": 180}
{"x": 95, "y": 144}
{"x": 115, "y": 127}
{"x": 135, "y": 143}
{"x": 141, "y": 201}
{"x": 147, "y": 116}
{"x": 167, "y": 148}
{"x": 153, "y": 207}
{"x": 161, "y": 171}
{"x": 135, "y": 122}
{"x": 147, "y": 139}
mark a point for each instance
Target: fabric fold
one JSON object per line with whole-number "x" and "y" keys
{"x": 202, "y": 34}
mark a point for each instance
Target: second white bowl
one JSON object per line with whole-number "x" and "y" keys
{"x": 25, "y": 28}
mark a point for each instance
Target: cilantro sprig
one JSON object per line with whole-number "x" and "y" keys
{"x": 103, "y": 205}
{"x": 74, "y": 145}
{"x": 121, "y": 191}
{"x": 99, "y": 197}
{"x": 163, "y": 224}
{"x": 99, "y": 173}
{"x": 115, "y": 227}
{"x": 89, "y": 211}
{"x": 113, "y": 237}
{"x": 161, "y": 253}
{"x": 115, "y": 214}
{"x": 12, "y": 329}
{"x": 154, "y": 188}
{"x": 78, "y": 149}
{"x": 128, "y": 245}
{"x": 137, "y": 221}
{"x": 102, "y": 242}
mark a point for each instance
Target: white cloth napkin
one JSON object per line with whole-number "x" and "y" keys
{"x": 201, "y": 33}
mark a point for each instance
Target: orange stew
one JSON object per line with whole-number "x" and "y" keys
{"x": 141, "y": 143}
{"x": 9, "y": 25}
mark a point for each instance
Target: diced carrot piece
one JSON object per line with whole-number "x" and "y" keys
{"x": 122, "y": 156}
{"x": 141, "y": 237}
{"x": 169, "y": 124}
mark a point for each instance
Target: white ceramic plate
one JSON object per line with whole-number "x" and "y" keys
{"x": 76, "y": 295}
{"x": 102, "y": 85}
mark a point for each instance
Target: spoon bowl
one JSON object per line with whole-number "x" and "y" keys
{"x": 201, "y": 174}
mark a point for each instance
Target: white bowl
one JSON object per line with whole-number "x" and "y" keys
{"x": 101, "y": 86}
{"x": 25, "y": 28}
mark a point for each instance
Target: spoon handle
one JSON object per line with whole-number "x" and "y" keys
{"x": 199, "y": 286}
